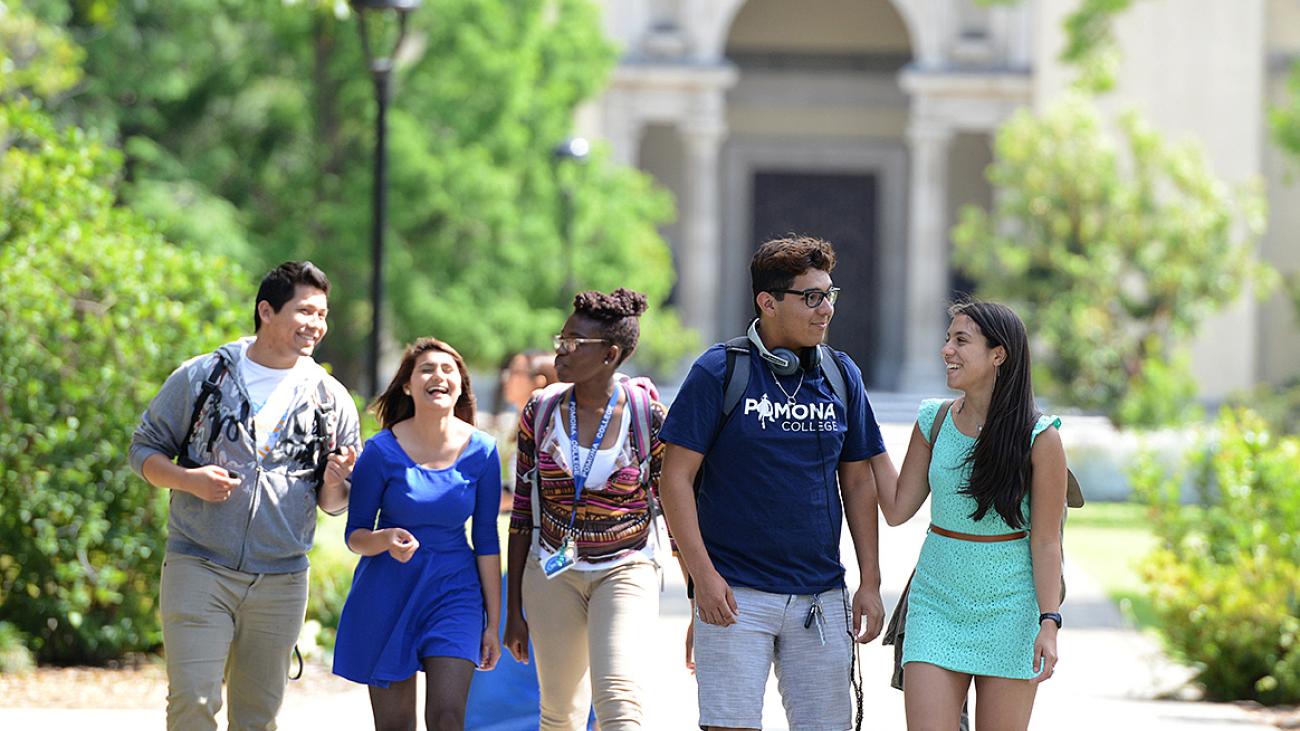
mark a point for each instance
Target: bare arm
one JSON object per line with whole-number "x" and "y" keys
{"x": 858, "y": 489}
{"x": 517, "y": 547}
{"x": 397, "y": 542}
{"x": 1047, "y": 507}
{"x": 489, "y": 576}
{"x": 900, "y": 500}
{"x": 713, "y": 597}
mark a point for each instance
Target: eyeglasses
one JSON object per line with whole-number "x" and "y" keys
{"x": 568, "y": 344}
{"x": 813, "y": 297}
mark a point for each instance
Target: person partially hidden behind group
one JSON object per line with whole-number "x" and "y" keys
{"x": 421, "y": 597}
{"x": 582, "y": 579}
{"x": 520, "y": 376}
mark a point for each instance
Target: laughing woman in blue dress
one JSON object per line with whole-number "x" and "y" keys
{"x": 422, "y": 597}
{"x": 985, "y": 599}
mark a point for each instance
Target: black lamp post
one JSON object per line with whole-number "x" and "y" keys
{"x": 381, "y": 71}
{"x": 574, "y": 149}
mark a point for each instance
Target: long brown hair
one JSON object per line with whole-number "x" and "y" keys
{"x": 395, "y": 405}
{"x": 1001, "y": 471}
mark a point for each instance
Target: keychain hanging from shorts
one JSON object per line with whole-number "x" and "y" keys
{"x": 564, "y": 558}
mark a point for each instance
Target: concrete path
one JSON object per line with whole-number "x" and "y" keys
{"x": 1107, "y": 677}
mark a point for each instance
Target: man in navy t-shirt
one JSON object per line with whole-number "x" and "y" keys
{"x": 752, "y": 500}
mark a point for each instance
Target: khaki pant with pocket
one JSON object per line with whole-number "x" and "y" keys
{"x": 225, "y": 625}
{"x": 601, "y": 621}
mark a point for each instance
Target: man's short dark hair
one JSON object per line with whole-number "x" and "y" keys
{"x": 280, "y": 283}
{"x": 777, "y": 262}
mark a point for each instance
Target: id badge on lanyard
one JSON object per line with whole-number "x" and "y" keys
{"x": 567, "y": 556}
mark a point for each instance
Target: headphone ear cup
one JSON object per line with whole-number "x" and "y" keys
{"x": 792, "y": 362}
{"x": 812, "y": 358}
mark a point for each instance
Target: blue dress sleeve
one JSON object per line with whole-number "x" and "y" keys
{"x": 487, "y": 501}
{"x": 367, "y": 488}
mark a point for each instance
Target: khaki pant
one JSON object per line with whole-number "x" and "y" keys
{"x": 218, "y": 624}
{"x": 598, "y": 620}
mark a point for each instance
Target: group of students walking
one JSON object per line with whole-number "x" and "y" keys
{"x": 770, "y": 445}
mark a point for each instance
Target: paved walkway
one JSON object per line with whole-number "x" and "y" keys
{"x": 1107, "y": 677}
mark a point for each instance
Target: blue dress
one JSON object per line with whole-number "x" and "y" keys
{"x": 432, "y": 606}
{"x": 972, "y": 607}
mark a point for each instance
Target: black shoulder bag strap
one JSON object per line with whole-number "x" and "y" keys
{"x": 211, "y": 386}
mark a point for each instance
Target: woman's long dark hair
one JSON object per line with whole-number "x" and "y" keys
{"x": 1001, "y": 471}
{"x": 395, "y": 405}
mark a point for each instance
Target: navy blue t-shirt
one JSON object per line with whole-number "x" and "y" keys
{"x": 768, "y": 501}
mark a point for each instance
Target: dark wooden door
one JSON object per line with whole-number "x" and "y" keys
{"x": 842, "y": 210}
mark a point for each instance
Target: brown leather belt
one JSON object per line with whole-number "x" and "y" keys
{"x": 977, "y": 538}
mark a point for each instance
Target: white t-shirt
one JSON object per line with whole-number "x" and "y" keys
{"x": 272, "y": 391}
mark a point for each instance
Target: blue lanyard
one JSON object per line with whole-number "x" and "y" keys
{"x": 580, "y": 475}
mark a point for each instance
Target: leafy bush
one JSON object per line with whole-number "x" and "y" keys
{"x": 14, "y": 655}
{"x": 97, "y": 310}
{"x": 1225, "y": 577}
{"x": 1117, "y": 251}
{"x": 332, "y": 565}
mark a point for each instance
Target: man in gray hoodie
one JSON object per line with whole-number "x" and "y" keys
{"x": 250, "y": 440}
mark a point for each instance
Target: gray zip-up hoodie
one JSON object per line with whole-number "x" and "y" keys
{"x": 269, "y": 521}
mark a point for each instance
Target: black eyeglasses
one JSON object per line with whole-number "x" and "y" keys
{"x": 568, "y": 343}
{"x": 813, "y": 297}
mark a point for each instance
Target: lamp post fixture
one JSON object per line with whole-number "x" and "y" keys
{"x": 574, "y": 149}
{"x": 381, "y": 71}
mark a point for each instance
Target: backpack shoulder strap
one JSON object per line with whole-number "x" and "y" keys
{"x": 835, "y": 374}
{"x": 638, "y": 400}
{"x": 736, "y": 378}
{"x": 211, "y": 386}
{"x": 938, "y": 422}
{"x": 546, "y": 404}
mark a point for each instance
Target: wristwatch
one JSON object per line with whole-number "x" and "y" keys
{"x": 1054, "y": 616}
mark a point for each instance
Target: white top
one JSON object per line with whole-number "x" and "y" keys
{"x": 272, "y": 392}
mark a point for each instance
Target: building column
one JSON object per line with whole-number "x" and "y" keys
{"x": 927, "y": 258}
{"x": 699, "y": 263}
{"x": 622, "y": 129}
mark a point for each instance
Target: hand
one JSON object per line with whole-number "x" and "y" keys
{"x": 401, "y": 544}
{"x": 1045, "y": 651}
{"x": 338, "y": 467}
{"x": 210, "y": 483}
{"x": 489, "y": 650}
{"x": 867, "y": 606}
{"x": 517, "y": 637}
{"x": 714, "y": 601}
{"x": 690, "y": 644}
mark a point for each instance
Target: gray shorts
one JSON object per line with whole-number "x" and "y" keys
{"x": 732, "y": 663}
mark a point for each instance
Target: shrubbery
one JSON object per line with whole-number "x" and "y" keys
{"x": 96, "y": 309}
{"x": 1226, "y": 576}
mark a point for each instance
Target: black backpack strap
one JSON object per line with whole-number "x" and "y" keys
{"x": 835, "y": 376}
{"x": 211, "y": 387}
{"x": 736, "y": 378}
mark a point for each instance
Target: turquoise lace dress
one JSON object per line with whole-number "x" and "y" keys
{"x": 972, "y": 607}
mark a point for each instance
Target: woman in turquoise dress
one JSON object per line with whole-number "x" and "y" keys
{"x": 984, "y": 602}
{"x": 422, "y": 597}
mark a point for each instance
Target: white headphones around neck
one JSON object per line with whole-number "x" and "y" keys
{"x": 783, "y": 361}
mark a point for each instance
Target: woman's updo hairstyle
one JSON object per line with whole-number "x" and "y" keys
{"x": 617, "y": 314}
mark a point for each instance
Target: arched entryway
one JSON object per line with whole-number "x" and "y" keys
{"x": 817, "y": 126}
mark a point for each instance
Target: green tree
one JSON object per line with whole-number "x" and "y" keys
{"x": 97, "y": 309}
{"x": 1117, "y": 254}
{"x": 248, "y": 129}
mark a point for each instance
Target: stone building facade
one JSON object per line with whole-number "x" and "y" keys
{"x": 870, "y": 123}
